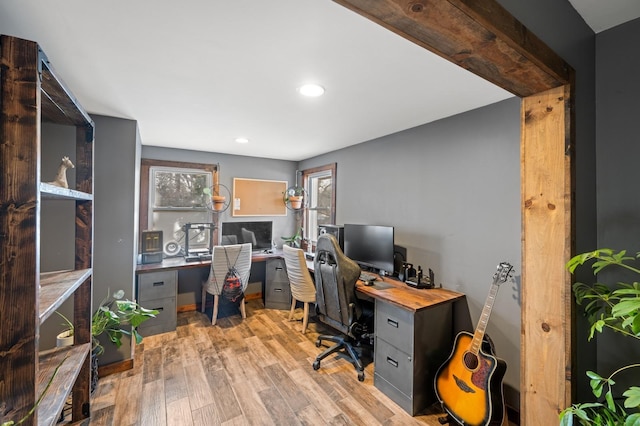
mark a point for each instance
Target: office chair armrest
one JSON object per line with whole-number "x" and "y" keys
{"x": 352, "y": 313}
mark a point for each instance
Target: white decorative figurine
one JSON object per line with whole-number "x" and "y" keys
{"x": 61, "y": 176}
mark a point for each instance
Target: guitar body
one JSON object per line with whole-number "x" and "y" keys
{"x": 469, "y": 386}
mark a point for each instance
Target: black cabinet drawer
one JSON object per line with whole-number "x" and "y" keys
{"x": 157, "y": 285}
{"x": 166, "y": 319}
{"x": 395, "y": 325}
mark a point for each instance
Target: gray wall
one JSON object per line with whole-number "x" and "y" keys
{"x": 451, "y": 189}
{"x": 618, "y": 150}
{"x": 115, "y": 242}
{"x": 231, "y": 166}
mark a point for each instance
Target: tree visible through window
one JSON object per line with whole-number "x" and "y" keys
{"x": 319, "y": 183}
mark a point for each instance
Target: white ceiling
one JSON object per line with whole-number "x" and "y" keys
{"x": 196, "y": 74}
{"x": 601, "y": 15}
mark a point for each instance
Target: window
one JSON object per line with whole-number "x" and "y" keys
{"x": 171, "y": 195}
{"x": 319, "y": 184}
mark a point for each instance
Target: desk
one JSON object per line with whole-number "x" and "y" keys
{"x": 414, "y": 332}
{"x": 414, "y": 329}
{"x": 158, "y": 286}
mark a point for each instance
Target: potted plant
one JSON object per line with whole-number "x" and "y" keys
{"x": 294, "y": 240}
{"x": 294, "y": 197}
{"x": 218, "y": 200}
{"x": 615, "y": 307}
{"x": 113, "y": 317}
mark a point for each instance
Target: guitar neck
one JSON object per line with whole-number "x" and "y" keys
{"x": 478, "y": 336}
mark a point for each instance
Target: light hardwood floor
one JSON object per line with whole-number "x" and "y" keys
{"x": 255, "y": 371}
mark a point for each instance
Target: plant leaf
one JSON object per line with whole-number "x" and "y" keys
{"x": 633, "y": 397}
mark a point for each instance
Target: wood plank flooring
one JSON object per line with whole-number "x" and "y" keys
{"x": 255, "y": 371}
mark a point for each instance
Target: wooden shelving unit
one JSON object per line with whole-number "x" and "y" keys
{"x": 31, "y": 93}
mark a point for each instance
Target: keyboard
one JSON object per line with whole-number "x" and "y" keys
{"x": 366, "y": 276}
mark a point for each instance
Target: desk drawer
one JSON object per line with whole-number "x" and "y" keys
{"x": 276, "y": 271}
{"x": 156, "y": 285}
{"x": 165, "y": 320}
{"x": 278, "y": 295}
{"x": 394, "y": 366}
{"x": 395, "y": 325}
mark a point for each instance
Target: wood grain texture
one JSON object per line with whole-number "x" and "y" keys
{"x": 546, "y": 286}
{"x": 274, "y": 384}
{"x": 477, "y": 35}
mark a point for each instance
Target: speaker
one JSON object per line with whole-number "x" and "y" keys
{"x": 335, "y": 230}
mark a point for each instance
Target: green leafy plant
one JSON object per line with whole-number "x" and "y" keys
{"x": 294, "y": 240}
{"x": 615, "y": 307}
{"x": 112, "y": 316}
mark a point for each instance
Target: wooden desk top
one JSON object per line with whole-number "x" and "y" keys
{"x": 398, "y": 293}
{"x": 179, "y": 262}
{"x": 389, "y": 290}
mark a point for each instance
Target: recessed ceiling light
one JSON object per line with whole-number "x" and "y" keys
{"x": 242, "y": 140}
{"x": 311, "y": 90}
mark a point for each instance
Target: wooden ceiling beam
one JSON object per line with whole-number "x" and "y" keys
{"x": 478, "y": 35}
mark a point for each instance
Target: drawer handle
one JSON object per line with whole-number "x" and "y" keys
{"x": 278, "y": 268}
{"x": 392, "y": 362}
{"x": 277, "y": 289}
{"x": 158, "y": 283}
{"x": 392, "y": 323}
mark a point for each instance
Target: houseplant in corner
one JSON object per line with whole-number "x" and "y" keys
{"x": 615, "y": 307}
{"x": 114, "y": 316}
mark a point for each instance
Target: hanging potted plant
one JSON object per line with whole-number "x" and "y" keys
{"x": 294, "y": 196}
{"x": 217, "y": 199}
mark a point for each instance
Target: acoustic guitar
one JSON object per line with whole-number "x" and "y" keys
{"x": 469, "y": 383}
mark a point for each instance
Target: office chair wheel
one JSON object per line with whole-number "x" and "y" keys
{"x": 316, "y": 365}
{"x": 361, "y": 376}
{"x": 318, "y": 343}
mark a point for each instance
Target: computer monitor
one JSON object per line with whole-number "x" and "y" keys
{"x": 259, "y": 234}
{"x": 371, "y": 246}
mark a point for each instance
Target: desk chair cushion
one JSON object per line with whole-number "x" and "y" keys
{"x": 336, "y": 276}
{"x": 302, "y": 287}
{"x": 336, "y": 302}
{"x": 238, "y": 253}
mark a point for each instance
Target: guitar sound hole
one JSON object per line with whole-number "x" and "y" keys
{"x": 470, "y": 361}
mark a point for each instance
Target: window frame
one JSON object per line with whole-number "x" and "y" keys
{"x": 146, "y": 166}
{"x": 306, "y": 176}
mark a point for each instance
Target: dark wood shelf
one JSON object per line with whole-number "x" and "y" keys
{"x": 58, "y": 103}
{"x": 49, "y": 191}
{"x": 56, "y": 287}
{"x": 38, "y": 95}
{"x": 70, "y": 360}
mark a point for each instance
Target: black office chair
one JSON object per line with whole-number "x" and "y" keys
{"x": 337, "y": 304}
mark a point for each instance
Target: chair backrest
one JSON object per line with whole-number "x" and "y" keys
{"x": 335, "y": 276}
{"x": 238, "y": 253}
{"x": 302, "y": 286}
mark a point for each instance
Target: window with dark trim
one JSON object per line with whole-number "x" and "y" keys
{"x": 171, "y": 195}
{"x": 320, "y": 186}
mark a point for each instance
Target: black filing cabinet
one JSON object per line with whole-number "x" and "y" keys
{"x": 158, "y": 290}
{"x": 277, "y": 290}
{"x": 409, "y": 348}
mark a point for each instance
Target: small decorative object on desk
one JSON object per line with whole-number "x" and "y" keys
{"x": 61, "y": 176}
